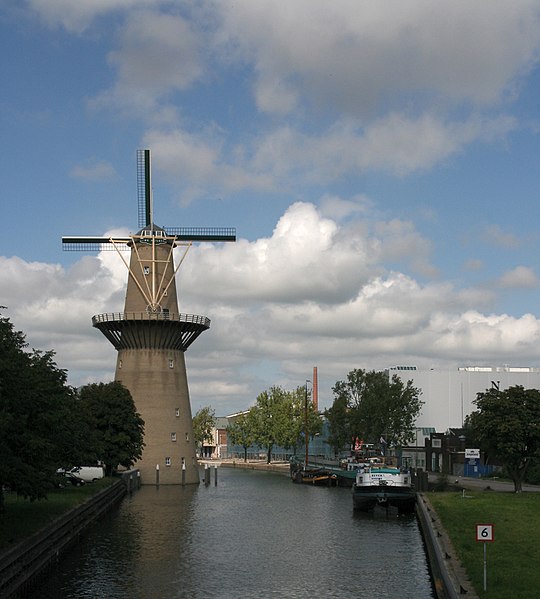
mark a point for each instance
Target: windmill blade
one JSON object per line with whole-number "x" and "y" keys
{"x": 202, "y": 233}
{"x": 144, "y": 188}
{"x": 96, "y": 244}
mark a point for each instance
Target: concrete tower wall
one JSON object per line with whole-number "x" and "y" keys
{"x": 153, "y": 273}
{"x": 158, "y": 383}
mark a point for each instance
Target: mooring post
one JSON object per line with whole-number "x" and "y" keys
{"x": 157, "y": 475}
{"x": 206, "y": 475}
{"x": 183, "y": 472}
{"x": 215, "y": 475}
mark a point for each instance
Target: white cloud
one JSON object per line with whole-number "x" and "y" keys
{"x": 521, "y": 277}
{"x": 280, "y": 158}
{"x": 77, "y": 16}
{"x": 158, "y": 54}
{"x": 355, "y": 57}
{"x": 314, "y": 293}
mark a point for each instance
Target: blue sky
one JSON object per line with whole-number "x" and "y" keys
{"x": 380, "y": 162}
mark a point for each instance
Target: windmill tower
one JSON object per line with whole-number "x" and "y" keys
{"x": 151, "y": 335}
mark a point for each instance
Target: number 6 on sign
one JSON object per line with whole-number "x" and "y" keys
{"x": 484, "y": 532}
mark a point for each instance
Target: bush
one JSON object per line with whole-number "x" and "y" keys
{"x": 532, "y": 476}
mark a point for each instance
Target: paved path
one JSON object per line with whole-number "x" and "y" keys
{"x": 482, "y": 484}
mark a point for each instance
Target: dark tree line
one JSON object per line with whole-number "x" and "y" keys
{"x": 45, "y": 424}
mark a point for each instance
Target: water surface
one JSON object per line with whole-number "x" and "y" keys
{"x": 254, "y": 535}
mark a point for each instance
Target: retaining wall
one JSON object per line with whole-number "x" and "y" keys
{"x": 449, "y": 577}
{"x": 21, "y": 565}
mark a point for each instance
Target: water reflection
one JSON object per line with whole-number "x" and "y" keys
{"x": 254, "y": 535}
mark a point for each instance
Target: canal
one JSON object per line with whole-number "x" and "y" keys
{"x": 254, "y": 535}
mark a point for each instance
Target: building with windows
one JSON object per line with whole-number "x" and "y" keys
{"x": 449, "y": 395}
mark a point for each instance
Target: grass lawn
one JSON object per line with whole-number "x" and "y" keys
{"x": 23, "y": 518}
{"x": 513, "y": 559}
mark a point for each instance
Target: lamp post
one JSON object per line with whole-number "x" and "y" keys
{"x": 306, "y": 428}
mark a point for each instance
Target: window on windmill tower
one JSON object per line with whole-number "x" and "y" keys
{"x": 177, "y": 412}
{"x": 173, "y": 436}
{"x": 146, "y": 270}
{"x": 164, "y": 293}
{"x": 171, "y": 363}
{"x": 187, "y": 436}
{"x": 167, "y": 461}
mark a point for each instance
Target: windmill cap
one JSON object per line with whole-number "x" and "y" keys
{"x": 153, "y": 228}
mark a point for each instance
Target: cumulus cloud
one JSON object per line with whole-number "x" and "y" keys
{"x": 358, "y": 88}
{"x": 316, "y": 292}
{"x": 357, "y": 57}
{"x": 330, "y": 91}
{"x": 157, "y": 54}
{"x": 284, "y": 156}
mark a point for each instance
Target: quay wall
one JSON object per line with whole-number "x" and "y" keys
{"x": 21, "y": 565}
{"x": 449, "y": 577}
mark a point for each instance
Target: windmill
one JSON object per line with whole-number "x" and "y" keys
{"x": 151, "y": 335}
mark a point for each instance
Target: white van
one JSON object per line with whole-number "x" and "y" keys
{"x": 89, "y": 473}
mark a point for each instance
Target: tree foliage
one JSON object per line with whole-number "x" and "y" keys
{"x": 118, "y": 428}
{"x": 38, "y": 417}
{"x": 370, "y": 406}
{"x": 279, "y": 418}
{"x": 507, "y": 426}
{"x": 242, "y": 431}
{"x": 339, "y": 435}
{"x": 203, "y": 424}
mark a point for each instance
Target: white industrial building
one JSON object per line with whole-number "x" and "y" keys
{"x": 448, "y": 395}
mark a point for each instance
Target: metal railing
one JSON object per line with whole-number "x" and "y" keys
{"x": 119, "y": 316}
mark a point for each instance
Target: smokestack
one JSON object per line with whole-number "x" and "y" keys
{"x": 315, "y": 389}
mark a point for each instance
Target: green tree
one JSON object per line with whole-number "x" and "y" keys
{"x": 204, "y": 423}
{"x": 376, "y": 407}
{"x": 38, "y": 417}
{"x": 242, "y": 432}
{"x": 119, "y": 429}
{"x": 268, "y": 416}
{"x": 507, "y": 425}
{"x": 298, "y": 411}
{"x": 279, "y": 418}
{"x": 337, "y": 415}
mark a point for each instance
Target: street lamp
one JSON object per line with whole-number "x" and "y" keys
{"x": 306, "y": 428}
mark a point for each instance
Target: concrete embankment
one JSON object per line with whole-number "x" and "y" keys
{"x": 449, "y": 577}
{"x": 279, "y": 467}
{"x": 21, "y": 565}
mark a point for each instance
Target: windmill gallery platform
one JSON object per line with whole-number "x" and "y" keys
{"x": 151, "y": 336}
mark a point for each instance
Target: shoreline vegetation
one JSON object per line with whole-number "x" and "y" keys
{"x": 23, "y": 518}
{"x": 511, "y": 558}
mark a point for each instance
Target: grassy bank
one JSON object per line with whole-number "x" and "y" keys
{"x": 23, "y": 518}
{"x": 513, "y": 559}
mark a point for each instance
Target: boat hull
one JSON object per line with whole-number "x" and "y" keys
{"x": 317, "y": 477}
{"x": 367, "y": 498}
